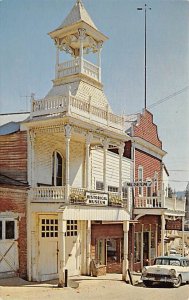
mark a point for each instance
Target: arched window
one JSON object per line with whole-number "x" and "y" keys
{"x": 57, "y": 169}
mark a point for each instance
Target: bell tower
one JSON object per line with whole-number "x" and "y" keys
{"x": 78, "y": 36}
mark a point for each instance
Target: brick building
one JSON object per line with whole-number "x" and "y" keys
{"x": 152, "y": 209}
{"x": 13, "y": 199}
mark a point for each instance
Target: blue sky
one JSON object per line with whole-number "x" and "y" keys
{"x": 27, "y": 59}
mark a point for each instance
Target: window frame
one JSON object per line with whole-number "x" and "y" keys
{"x": 55, "y": 167}
{"x": 3, "y": 229}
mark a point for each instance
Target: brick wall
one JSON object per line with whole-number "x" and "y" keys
{"x": 147, "y": 130}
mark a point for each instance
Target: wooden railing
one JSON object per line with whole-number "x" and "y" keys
{"x": 48, "y": 193}
{"x": 158, "y": 202}
{"x": 78, "y": 66}
{"x": 76, "y": 196}
{"x": 73, "y": 105}
{"x": 147, "y": 202}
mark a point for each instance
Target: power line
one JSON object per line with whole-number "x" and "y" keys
{"x": 168, "y": 97}
{"x": 163, "y": 100}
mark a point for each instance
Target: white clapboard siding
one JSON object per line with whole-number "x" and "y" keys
{"x": 42, "y": 171}
{"x": 112, "y": 168}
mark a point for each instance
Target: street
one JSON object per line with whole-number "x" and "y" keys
{"x": 109, "y": 287}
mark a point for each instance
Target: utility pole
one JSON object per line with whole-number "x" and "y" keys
{"x": 146, "y": 7}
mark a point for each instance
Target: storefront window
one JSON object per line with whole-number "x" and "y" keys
{"x": 112, "y": 255}
{"x": 137, "y": 252}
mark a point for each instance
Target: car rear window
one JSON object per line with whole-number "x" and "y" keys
{"x": 166, "y": 261}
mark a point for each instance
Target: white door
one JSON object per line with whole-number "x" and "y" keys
{"x": 8, "y": 248}
{"x": 48, "y": 247}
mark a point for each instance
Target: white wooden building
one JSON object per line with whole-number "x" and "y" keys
{"x": 74, "y": 177}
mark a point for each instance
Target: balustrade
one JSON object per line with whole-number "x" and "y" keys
{"x": 156, "y": 202}
{"x": 148, "y": 202}
{"x": 76, "y": 196}
{"x": 60, "y": 104}
{"x": 48, "y": 193}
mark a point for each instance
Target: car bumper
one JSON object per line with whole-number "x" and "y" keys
{"x": 159, "y": 279}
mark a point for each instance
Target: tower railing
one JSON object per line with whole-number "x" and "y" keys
{"x": 76, "y": 66}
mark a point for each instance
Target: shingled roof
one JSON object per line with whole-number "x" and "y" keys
{"x": 77, "y": 14}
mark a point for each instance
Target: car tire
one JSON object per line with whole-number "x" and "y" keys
{"x": 147, "y": 283}
{"x": 178, "y": 282}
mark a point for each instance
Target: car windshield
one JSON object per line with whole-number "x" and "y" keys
{"x": 167, "y": 261}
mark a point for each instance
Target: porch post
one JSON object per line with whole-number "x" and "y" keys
{"x": 125, "y": 250}
{"x": 87, "y": 161}
{"x": 142, "y": 247}
{"x": 162, "y": 234}
{"x": 156, "y": 241}
{"x": 150, "y": 246}
{"x": 88, "y": 246}
{"x": 31, "y": 154}
{"x": 105, "y": 145}
{"x": 67, "y": 136}
{"x": 182, "y": 236}
{"x": 121, "y": 151}
{"x": 61, "y": 248}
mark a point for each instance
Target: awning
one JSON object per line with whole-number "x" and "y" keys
{"x": 75, "y": 212}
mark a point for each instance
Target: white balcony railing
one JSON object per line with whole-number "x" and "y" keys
{"x": 172, "y": 204}
{"x": 76, "y": 66}
{"x": 48, "y": 194}
{"x": 76, "y": 196}
{"x": 148, "y": 202}
{"x": 73, "y": 105}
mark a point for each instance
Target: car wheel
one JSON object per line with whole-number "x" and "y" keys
{"x": 147, "y": 283}
{"x": 178, "y": 282}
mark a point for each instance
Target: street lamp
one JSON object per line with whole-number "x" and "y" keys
{"x": 145, "y": 9}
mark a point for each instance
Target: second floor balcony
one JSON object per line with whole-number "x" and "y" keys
{"x": 72, "y": 105}
{"x": 173, "y": 205}
{"x": 77, "y": 196}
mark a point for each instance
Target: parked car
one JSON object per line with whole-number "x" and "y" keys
{"x": 167, "y": 269}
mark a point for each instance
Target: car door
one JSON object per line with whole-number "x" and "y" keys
{"x": 185, "y": 270}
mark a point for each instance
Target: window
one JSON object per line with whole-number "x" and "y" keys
{"x": 57, "y": 169}
{"x": 125, "y": 193}
{"x": 99, "y": 185}
{"x": 149, "y": 188}
{"x": 140, "y": 180}
{"x": 112, "y": 189}
{"x": 7, "y": 229}
{"x": 49, "y": 228}
{"x": 137, "y": 250}
{"x": 71, "y": 229}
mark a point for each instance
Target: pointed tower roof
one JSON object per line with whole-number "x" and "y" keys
{"x": 77, "y": 18}
{"x": 77, "y": 14}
